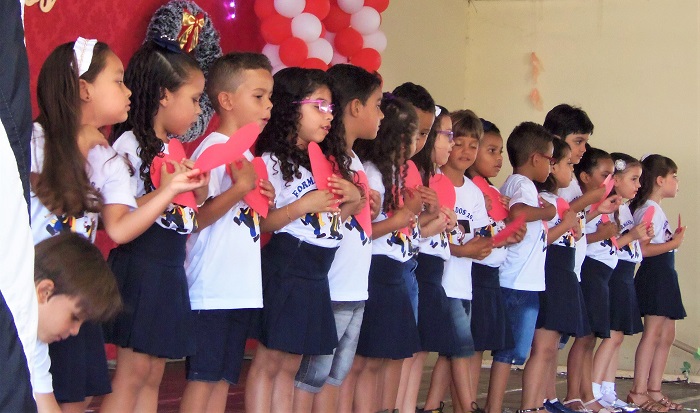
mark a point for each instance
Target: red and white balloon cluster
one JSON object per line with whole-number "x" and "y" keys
{"x": 321, "y": 33}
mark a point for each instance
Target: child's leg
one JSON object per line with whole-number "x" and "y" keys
{"x": 365, "y": 397}
{"x": 407, "y": 403}
{"x": 500, "y": 372}
{"x": 651, "y": 337}
{"x": 586, "y": 380}
{"x": 461, "y": 379}
{"x": 574, "y": 368}
{"x": 346, "y": 392}
{"x": 133, "y": 370}
{"x": 76, "y": 407}
{"x": 390, "y": 384}
{"x": 658, "y": 364}
{"x": 439, "y": 382}
{"x": 219, "y": 397}
{"x": 605, "y": 355}
{"x": 283, "y": 383}
{"x": 258, "y": 389}
{"x": 475, "y": 371}
{"x": 147, "y": 400}
{"x": 326, "y": 400}
{"x": 406, "y": 367}
{"x": 196, "y": 396}
{"x": 550, "y": 385}
{"x": 535, "y": 376}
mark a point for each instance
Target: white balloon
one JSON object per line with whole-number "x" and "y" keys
{"x": 330, "y": 36}
{"x": 321, "y": 49}
{"x": 338, "y": 59}
{"x": 349, "y": 6}
{"x": 376, "y": 41}
{"x": 307, "y": 27}
{"x": 290, "y": 8}
{"x": 273, "y": 53}
{"x": 366, "y": 20}
{"x": 276, "y": 69}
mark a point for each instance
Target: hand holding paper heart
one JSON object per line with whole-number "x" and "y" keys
{"x": 498, "y": 212}
{"x": 509, "y": 230}
{"x": 175, "y": 155}
{"x": 229, "y": 151}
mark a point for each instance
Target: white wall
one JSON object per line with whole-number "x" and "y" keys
{"x": 631, "y": 64}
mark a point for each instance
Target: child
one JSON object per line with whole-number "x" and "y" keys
{"x": 624, "y": 310}
{"x": 239, "y": 87}
{"x": 297, "y": 317}
{"x": 156, "y": 322}
{"x": 562, "y": 310}
{"x": 389, "y": 333}
{"x": 76, "y": 176}
{"x": 73, "y": 285}
{"x": 597, "y": 267}
{"x": 433, "y": 307}
{"x": 358, "y": 96}
{"x": 521, "y": 276}
{"x": 656, "y": 284}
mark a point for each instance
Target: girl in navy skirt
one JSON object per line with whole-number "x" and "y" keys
{"x": 624, "y": 310}
{"x": 75, "y": 178}
{"x": 389, "y": 333}
{"x": 562, "y": 310}
{"x": 656, "y": 284}
{"x": 297, "y": 318}
{"x": 601, "y": 259}
{"x": 155, "y": 322}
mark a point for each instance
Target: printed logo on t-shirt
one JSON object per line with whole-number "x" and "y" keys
{"x": 543, "y": 237}
{"x": 400, "y": 239}
{"x": 248, "y": 217}
{"x": 632, "y": 248}
{"x": 315, "y": 219}
{"x": 178, "y": 218}
{"x": 353, "y": 224}
{"x": 84, "y": 225}
{"x": 442, "y": 243}
{"x": 307, "y": 183}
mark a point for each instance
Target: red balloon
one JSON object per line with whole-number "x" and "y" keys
{"x": 264, "y": 8}
{"x": 368, "y": 59}
{"x": 314, "y": 63}
{"x": 378, "y": 5}
{"x": 348, "y": 41}
{"x": 318, "y": 8}
{"x": 276, "y": 28}
{"x": 337, "y": 19}
{"x": 293, "y": 51}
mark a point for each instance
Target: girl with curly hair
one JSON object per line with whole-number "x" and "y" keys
{"x": 297, "y": 318}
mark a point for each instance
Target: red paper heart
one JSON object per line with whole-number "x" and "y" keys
{"x": 509, "y": 229}
{"x": 609, "y": 184}
{"x": 413, "y": 178}
{"x": 364, "y": 218}
{"x": 648, "y": 216}
{"x": 562, "y": 207}
{"x": 229, "y": 151}
{"x": 254, "y": 199}
{"x": 498, "y": 212}
{"x": 321, "y": 167}
{"x": 176, "y": 152}
{"x": 445, "y": 190}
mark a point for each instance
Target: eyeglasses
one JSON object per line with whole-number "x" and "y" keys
{"x": 450, "y": 135}
{"x": 322, "y": 105}
{"x": 551, "y": 160}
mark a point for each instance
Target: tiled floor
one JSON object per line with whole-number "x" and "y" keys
{"x": 174, "y": 382}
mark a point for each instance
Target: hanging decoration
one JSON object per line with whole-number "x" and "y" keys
{"x": 321, "y": 33}
{"x": 193, "y": 30}
{"x": 536, "y": 68}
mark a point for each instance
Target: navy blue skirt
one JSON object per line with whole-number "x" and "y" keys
{"x": 595, "y": 286}
{"x": 389, "y": 329}
{"x": 157, "y": 317}
{"x": 434, "y": 325}
{"x": 657, "y": 287}
{"x": 489, "y": 325}
{"x": 79, "y": 365}
{"x": 624, "y": 308}
{"x": 562, "y": 305}
{"x": 297, "y": 316}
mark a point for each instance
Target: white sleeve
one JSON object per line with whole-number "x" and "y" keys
{"x": 42, "y": 381}
{"x": 112, "y": 172}
{"x": 523, "y": 195}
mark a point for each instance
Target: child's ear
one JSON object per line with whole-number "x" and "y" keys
{"x": 166, "y": 96}
{"x": 659, "y": 180}
{"x": 355, "y": 107}
{"x": 225, "y": 101}
{"x": 44, "y": 290}
{"x": 584, "y": 177}
{"x": 85, "y": 90}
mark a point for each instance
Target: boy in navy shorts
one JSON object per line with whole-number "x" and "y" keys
{"x": 521, "y": 276}
{"x": 223, "y": 257}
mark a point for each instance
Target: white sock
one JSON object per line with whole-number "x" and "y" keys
{"x": 596, "y": 391}
{"x": 607, "y": 387}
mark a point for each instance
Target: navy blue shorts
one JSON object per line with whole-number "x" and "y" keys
{"x": 221, "y": 337}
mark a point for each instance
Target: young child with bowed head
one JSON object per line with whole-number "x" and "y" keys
{"x": 156, "y": 322}
{"x": 529, "y": 149}
{"x": 624, "y": 309}
{"x": 389, "y": 333}
{"x": 297, "y": 316}
{"x": 489, "y": 327}
{"x": 562, "y": 309}
{"x": 433, "y": 307}
{"x": 239, "y": 86}
{"x": 656, "y": 283}
{"x": 597, "y": 267}
{"x": 357, "y": 95}
{"x": 75, "y": 178}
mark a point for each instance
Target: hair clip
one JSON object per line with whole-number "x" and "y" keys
{"x": 83, "y": 49}
{"x": 438, "y": 111}
{"x": 646, "y": 155}
{"x": 620, "y": 165}
{"x": 167, "y": 43}
{"x": 388, "y": 96}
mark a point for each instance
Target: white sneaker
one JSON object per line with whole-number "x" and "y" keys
{"x": 610, "y": 401}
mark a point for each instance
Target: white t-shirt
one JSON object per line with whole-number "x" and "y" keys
{"x": 662, "y": 229}
{"x": 320, "y": 228}
{"x": 395, "y": 244}
{"x": 523, "y": 268}
{"x": 567, "y": 239}
{"x": 349, "y": 271}
{"x": 108, "y": 173}
{"x": 17, "y": 254}
{"x": 473, "y": 218}
{"x": 223, "y": 259}
{"x": 631, "y": 252}
{"x": 570, "y": 193}
{"x": 603, "y": 251}
{"x": 42, "y": 380}
{"x": 498, "y": 255}
{"x": 178, "y": 218}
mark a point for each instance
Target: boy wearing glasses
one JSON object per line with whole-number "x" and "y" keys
{"x": 223, "y": 257}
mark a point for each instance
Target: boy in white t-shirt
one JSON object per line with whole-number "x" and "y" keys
{"x": 223, "y": 257}
{"x": 521, "y": 276}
